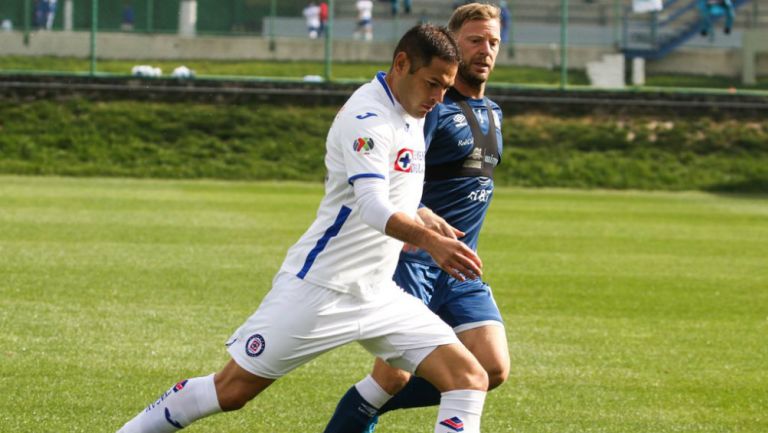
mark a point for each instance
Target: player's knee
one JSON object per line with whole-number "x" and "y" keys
{"x": 479, "y": 380}
{"x": 473, "y": 377}
{"x": 497, "y": 374}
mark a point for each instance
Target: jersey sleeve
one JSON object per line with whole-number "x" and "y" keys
{"x": 366, "y": 144}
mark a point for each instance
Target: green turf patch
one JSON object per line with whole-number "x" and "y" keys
{"x": 626, "y": 312}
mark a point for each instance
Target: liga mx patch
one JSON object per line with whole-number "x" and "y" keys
{"x": 404, "y": 160}
{"x": 363, "y": 145}
{"x": 255, "y": 345}
{"x": 455, "y": 423}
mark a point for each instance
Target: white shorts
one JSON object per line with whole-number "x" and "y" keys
{"x": 297, "y": 321}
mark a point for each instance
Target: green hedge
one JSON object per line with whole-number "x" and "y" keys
{"x": 140, "y": 139}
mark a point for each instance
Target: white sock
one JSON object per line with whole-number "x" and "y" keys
{"x": 460, "y": 411}
{"x": 372, "y": 392}
{"x": 186, "y": 402}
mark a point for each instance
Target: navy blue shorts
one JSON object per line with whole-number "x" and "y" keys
{"x": 462, "y": 305}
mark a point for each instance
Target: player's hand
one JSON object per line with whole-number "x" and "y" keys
{"x": 436, "y": 223}
{"x": 456, "y": 258}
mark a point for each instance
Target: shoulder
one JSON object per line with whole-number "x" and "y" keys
{"x": 364, "y": 120}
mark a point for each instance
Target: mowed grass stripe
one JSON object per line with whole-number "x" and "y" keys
{"x": 625, "y": 311}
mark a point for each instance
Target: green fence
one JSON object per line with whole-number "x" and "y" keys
{"x": 219, "y": 16}
{"x": 551, "y": 45}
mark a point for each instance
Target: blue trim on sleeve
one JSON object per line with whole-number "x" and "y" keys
{"x": 361, "y": 175}
{"x": 332, "y": 231}
{"x": 380, "y": 76}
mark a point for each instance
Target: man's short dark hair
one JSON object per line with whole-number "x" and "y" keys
{"x": 424, "y": 42}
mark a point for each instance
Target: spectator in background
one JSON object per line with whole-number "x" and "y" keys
{"x": 364, "y": 20}
{"x": 710, "y": 9}
{"x": 406, "y": 7}
{"x": 50, "y": 13}
{"x": 127, "y": 18}
{"x": 312, "y": 15}
{"x": 39, "y": 17}
{"x": 323, "y": 17}
{"x": 505, "y": 18}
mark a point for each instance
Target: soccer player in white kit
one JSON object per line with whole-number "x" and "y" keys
{"x": 335, "y": 285}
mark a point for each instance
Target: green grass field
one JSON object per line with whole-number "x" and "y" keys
{"x": 626, "y": 312}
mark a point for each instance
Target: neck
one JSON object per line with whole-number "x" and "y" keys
{"x": 469, "y": 91}
{"x": 389, "y": 80}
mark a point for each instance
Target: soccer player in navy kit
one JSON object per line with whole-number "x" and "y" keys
{"x": 463, "y": 135}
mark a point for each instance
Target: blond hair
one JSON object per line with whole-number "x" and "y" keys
{"x": 472, "y": 12}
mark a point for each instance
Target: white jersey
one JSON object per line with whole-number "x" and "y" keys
{"x": 364, "y": 9}
{"x": 312, "y": 15}
{"x": 371, "y": 136}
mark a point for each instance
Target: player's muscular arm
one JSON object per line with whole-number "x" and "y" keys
{"x": 450, "y": 254}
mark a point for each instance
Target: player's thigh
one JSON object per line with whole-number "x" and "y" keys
{"x": 296, "y": 322}
{"x": 489, "y": 345}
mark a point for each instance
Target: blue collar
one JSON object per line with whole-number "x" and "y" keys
{"x": 380, "y": 76}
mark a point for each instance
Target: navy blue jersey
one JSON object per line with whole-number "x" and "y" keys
{"x": 461, "y": 201}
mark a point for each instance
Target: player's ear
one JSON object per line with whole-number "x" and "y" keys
{"x": 401, "y": 64}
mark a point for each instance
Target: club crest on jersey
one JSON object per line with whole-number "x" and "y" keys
{"x": 404, "y": 161}
{"x": 455, "y": 423}
{"x": 459, "y": 121}
{"x": 363, "y": 145}
{"x": 255, "y": 345}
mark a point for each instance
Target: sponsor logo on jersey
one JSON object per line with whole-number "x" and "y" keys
{"x": 255, "y": 345}
{"x": 404, "y": 161}
{"x": 455, "y": 423}
{"x": 459, "y": 121}
{"x": 366, "y": 115}
{"x": 363, "y": 145}
{"x": 467, "y": 142}
{"x": 480, "y": 195}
